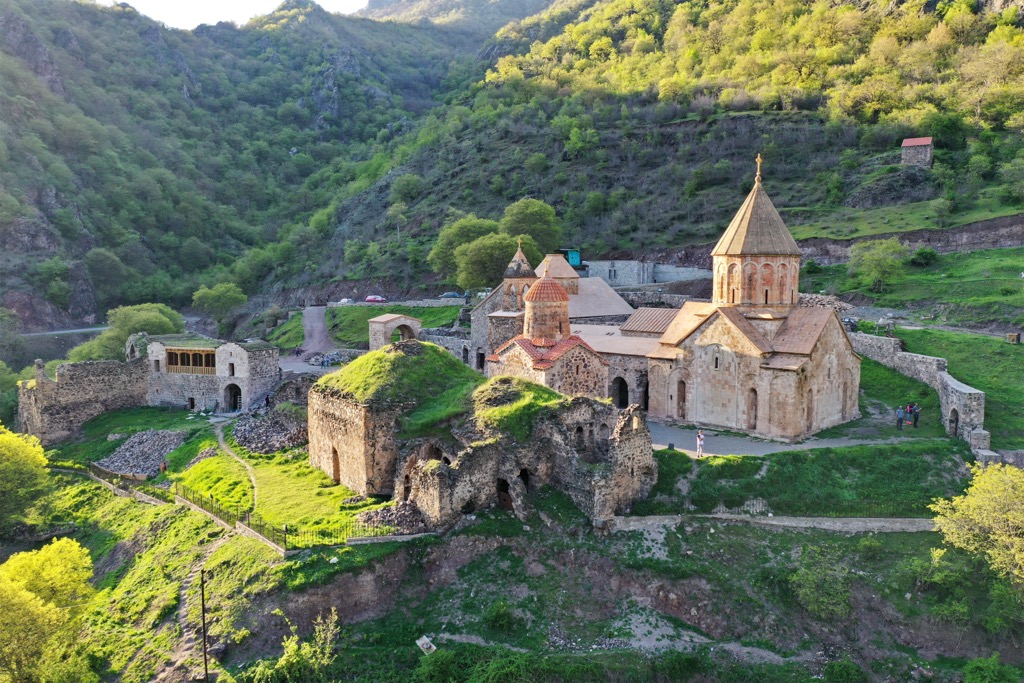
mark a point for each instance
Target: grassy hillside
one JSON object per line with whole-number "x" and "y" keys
{"x": 140, "y": 161}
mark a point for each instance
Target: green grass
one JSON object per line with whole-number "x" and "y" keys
{"x": 223, "y": 478}
{"x": 410, "y": 375}
{"x": 349, "y": 325}
{"x": 986, "y": 363}
{"x": 882, "y": 389}
{"x": 510, "y": 405}
{"x": 288, "y": 335}
{"x": 847, "y": 223}
{"x": 973, "y": 288}
{"x": 93, "y": 445}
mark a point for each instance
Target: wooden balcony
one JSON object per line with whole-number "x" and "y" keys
{"x": 190, "y": 370}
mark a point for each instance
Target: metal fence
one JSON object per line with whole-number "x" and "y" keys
{"x": 809, "y": 507}
{"x": 114, "y": 478}
{"x": 285, "y": 536}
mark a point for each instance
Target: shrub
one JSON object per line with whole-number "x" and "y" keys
{"x": 443, "y": 666}
{"x": 501, "y": 617}
{"x": 822, "y": 584}
{"x": 989, "y": 670}
{"x": 925, "y": 256}
{"x": 844, "y": 671}
{"x": 811, "y": 267}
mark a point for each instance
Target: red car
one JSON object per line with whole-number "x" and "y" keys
{"x": 375, "y": 299}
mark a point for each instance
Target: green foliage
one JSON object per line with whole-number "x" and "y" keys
{"x": 407, "y": 188}
{"x": 301, "y": 662}
{"x": 844, "y": 671}
{"x": 224, "y": 479}
{"x": 510, "y": 405}
{"x": 989, "y": 670}
{"x": 924, "y": 257}
{"x": 985, "y": 520}
{"x": 288, "y": 335}
{"x": 23, "y": 475}
{"x": 501, "y": 618}
{"x": 822, "y": 584}
{"x": 125, "y": 321}
{"x": 878, "y": 261}
{"x": 482, "y": 262}
{"x": 219, "y": 300}
{"x": 535, "y": 218}
{"x": 453, "y": 235}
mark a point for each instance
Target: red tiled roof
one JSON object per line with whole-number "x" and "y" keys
{"x": 546, "y": 289}
{"x": 544, "y": 357}
{"x": 915, "y": 142}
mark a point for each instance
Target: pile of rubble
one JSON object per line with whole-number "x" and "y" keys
{"x": 143, "y": 453}
{"x": 824, "y": 301}
{"x": 404, "y": 517}
{"x": 202, "y": 455}
{"x": 270, "y": 433}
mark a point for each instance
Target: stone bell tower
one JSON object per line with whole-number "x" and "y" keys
{"x": 757, "y": 261}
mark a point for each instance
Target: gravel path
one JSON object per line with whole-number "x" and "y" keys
{"x": 853, "y": 525}
{"x": 685, "y": 439}
{"x": 317, "y": 339}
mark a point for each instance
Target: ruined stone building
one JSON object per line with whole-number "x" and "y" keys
{"x": 177, "y": 370}
{"x": 599, "y": 455}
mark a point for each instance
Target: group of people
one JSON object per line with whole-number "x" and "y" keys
{"x": 910, "y": 414}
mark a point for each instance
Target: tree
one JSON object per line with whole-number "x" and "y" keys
{"x": 12, "y": 346}
{"x": 219, "y": 300}
{"x": 125, "y": 321}
{"x": 23, "y": 474}
{"x": 989, "y": 670}
{"x": 107, "y": 271}
{"x": 534, "y": 218}
{"x": 482, "y": 262}
{"x": 822, "y": 584}
{"x": 41, "y": 593}
{"x": 987, "y": 519}
{"x": 406, "y": 188}
{"x": 878, "y": 261}
{"x": 463, "y": 231}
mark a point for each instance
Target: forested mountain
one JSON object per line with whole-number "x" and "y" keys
{"x": 139, "y": 162}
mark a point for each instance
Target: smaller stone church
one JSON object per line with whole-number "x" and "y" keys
{"x": 598, "y": 455}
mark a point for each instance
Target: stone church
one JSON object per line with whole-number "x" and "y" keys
{"x": 751, "y": 360}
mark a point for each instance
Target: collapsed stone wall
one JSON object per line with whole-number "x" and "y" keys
{"x": 654, "y": 299}
{"x": 55, "y": 411}
{"x": 456, "y": 342}
{"x": 963, "y": 407}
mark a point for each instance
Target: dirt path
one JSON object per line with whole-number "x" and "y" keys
{"x": 853, "y": 525}
{"x": 189, "y": 651}
{"x": 219, "y": 429}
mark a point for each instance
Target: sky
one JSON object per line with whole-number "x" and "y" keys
{"x": 188, "y": 14}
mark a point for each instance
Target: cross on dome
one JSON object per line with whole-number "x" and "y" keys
{"x": 758, "y": 177}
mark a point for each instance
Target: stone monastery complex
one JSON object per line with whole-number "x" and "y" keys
{"x": 751, "y": 360}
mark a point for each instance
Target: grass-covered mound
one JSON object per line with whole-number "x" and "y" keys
{"x": 510, "y": 404}
{"x": 408, "y": 373}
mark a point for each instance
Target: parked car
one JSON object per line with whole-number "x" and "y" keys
{"x": 452, "y": 295}
{"x": 344, "y": 301}
{"x": 375, "y": 299}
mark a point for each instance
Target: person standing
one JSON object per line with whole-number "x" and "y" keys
{"x": 700, "y": 444}
{"x": 915, "y": 412}
{"x": 899, "y": 418}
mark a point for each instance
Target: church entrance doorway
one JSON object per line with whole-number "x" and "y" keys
{"x": 620, "y": 392}
{"x": 232, "y": 398}
{"x": 681, "y": 400}
{"x": 504, "y": 498}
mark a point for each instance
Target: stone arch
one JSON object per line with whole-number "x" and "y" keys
{"x": 383, "y": 326}
{"x": 335, "y": 465}
{"x": 782, "y": 278}
{"x": 749, "y": 295}
{"x": 580, "y": 439}
{"x": 620, "y": 392}
{"x": 524, "y": 476}
{"x": 954, "y": 422}
{"x": 603, "y": 431}
{"x": 465, "y": 355}
{"x": 681, "y": 399}
{"x": 734, "y": 283}
{"x": 522, "y": 297}
{"x": 232, "y": 398}
{"x": 406, "y": 488}
{"x": 511, "y": 297}
{"x": 504, "y": 497}
{"x": 480, "y": 357}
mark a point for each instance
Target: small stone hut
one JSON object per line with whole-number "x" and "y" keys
{"x": 917, "y": 152}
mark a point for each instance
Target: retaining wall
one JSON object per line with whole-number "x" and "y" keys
{"x": 963, "y": 406}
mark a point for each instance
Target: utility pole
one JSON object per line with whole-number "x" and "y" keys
{"x": 202, "y": 603}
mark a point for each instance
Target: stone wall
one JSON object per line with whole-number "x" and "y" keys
{"x": 918, "y": 155}
{"x": 963, "y": 407}
{"x": 54, "y": 411}
{"x": 626, "y": 273}
{"x": 456, "y": 342}
{"x": 654, "y": 299}
{"x": 354, "y": 444}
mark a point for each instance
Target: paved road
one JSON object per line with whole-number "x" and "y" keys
{"x": 81, "y": 330}
{"x": 685, "y": 439}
